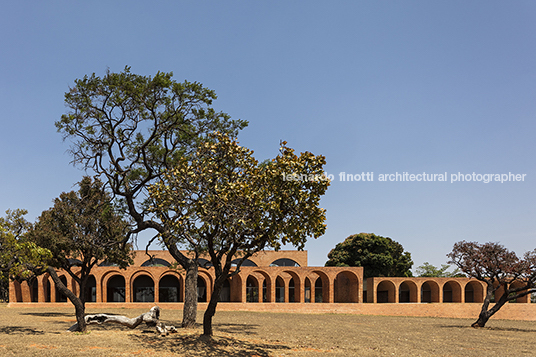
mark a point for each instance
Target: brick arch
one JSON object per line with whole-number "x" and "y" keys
{"x": 107, "y": 293}
{"x": 386, "y": 292}
{"x": 452, "y": 291}
{"x": 523, "y": 299}
{"x": 167, "y": 293}
{"x": 253, "y": 285}
{"x": 209, "y": 283}
{"x": 265, "y": 295}
{"x": 473, "y": 292}
{"x": 407, "y": 291}
{"x": 325, "y": 290}
{"x": 430, "y": 292}
{"x": 298, "y": 287}
{"x": 146, "y": 293}
{"x": 346, "y": 287}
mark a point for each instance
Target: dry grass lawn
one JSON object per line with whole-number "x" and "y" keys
{"x": 41, "y": 332}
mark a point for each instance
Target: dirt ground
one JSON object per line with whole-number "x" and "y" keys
{"x": 41, "y": 332}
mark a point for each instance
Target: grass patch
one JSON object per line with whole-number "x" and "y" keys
{"x": 42, "y": 332}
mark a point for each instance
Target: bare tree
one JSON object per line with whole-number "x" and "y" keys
{"x": 500, "y": 269}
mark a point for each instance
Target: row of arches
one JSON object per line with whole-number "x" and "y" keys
{"x": 284, "y": 285}
{"x": 432, "y": 291}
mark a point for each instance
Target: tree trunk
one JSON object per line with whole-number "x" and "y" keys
{"x": 79, "y": 305}
{"x": 486, "y": 313}
{"x": 189, "y": 313}
{"x": 211, "y": 308}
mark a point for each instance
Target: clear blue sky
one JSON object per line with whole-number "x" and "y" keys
{"x": 375, "y": 86}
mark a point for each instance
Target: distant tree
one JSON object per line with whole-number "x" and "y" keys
{"x": 82, "y": 229}
{"x": 129, "y": 129}
{"x": 233, "y": 206}
{"x": 430, "y": 271}
{"x": 20, "y": 259}
{"x": 498, "y": 268}
{"x": 379, "y": 256}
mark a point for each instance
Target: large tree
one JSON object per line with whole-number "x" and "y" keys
{"x": 82, "y": 229}
{"x": 379, "y": 256}
{"x": 227, "y": 202}
{"x": 128, "y": 129}
{"x": 499, "y": 269}
{"x": 20, "y": 259}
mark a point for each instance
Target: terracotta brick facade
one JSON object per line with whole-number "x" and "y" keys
{"x": 274, "y": 281}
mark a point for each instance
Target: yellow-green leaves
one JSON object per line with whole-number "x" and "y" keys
{"x": 223, "y": 197}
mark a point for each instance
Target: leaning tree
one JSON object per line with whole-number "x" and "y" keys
{"x": 82, "y": 229}
{"x": 227, "y": 202}
{"x": 499, "y": 269}
{"x": 129, "y": 129}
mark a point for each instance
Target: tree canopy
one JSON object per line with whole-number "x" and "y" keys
{"x": 501, "y": 270}
{"x": 129, "y": 129}
{"x": 20, "y": 258}
{"x": 379, "y": 256}
{"x": 227, "y": 203}
{"x": 430, "y": 271}
{"x": 82, "y": 229}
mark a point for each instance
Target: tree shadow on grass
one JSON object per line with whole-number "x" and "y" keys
{"x": 18, "y": 330}
{"x": 245, "y": 329}
{"x": 197, "y": 345}
{"x": 490, "y": 328}
{"x": 47, "y": 314}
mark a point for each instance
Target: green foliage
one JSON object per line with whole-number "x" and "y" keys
{"x": 130, "y": 127}
{"x": 83, "y": 225}
{"x": 430, "y": 271}
{"x": 379, "y": 256}
{"x": 224, "y": 198}
{"x": 20, "y": 258}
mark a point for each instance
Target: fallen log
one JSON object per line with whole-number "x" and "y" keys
{"x": 150, "y": 318}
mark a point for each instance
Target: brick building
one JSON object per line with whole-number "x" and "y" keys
{"x": 270, "y": 276}
{"x": 271, "y": 281}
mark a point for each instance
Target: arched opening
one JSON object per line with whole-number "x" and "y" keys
{"x": 47, "y": 290}
{"x": 156, "y": 262}
{"x": 60, "y": 297}
{"x": 318, "y": 290}
{"x": 291, "y": 291}
{"x": 116, "y": 289}
{"x": 429, "y": 292}
{"x": 143, "y": 287}
{"x": 451, "y": 292}
{"x": 307, "y": 297}
{"x": 201, "y": 290}
{"x": 245, "y": 263}
{"x": 279, "y": 290}
{"x": 169, "y": 289}
{"x": 225, "y": 293}
{"x": 407, "y": 292}
{"x": 252, "y": 290}
{"x": 346, "y": 287}
{"x": 474, "y": 292}
{"x": 385, "y": 292}
{"x": 284, "y": 262}
{"x": 34, "y": 288}
{"x": 523, "y": 299}
{"x": 91, "y": 289}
